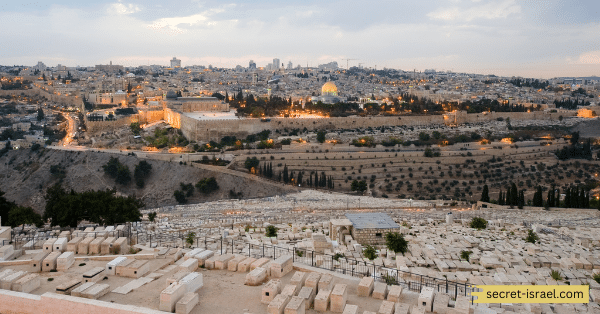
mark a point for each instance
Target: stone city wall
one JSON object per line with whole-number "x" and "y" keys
{"x": 65, "y": 100}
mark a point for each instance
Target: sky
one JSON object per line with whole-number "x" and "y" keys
{"x": 533, "y": 38}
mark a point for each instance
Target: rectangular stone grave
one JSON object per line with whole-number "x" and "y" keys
{"x": 298, "y": 279}
{"x": 426, "y": 298}
{"x": 65, "y": 260}
{"x": 81, "y": 288}
{"x": 37, "y": 261}
{"x": 270, "y": 290}
{"x": 297, "y": 305}
{"x": 192, "y": 282}
{"x": 111, "y": 267}
{"x": 281, "y": 266}
{"x": 259, "y": 263}
{"x": 309, "y": 294}
{"x": 380, "y": 291}
{"x": 290, "y": 290}
{"x": 176, "y": 277}
{"x": 60, "y": 245}
{"x": 386, "y": 307}
{"x": 326, "y": 282}
{"x": 339, "y": 296}
{"x": 93, "y": 275}
{"x": 256, "y": 277}
{"x": 107, "y": 245}
{"x": 440, "y": 303}
{"x": 74, "y": 244}
{"x": 68, "y": 286}
{"x": 189, "y": 265}
{"x": 135, "y": 269}
{"x": 96, "y": 291}
{"x": 395, "y": 294}
{"x": 365, "y": 286}
{"x": 48, "y": 245}
{"x": 94, "y": 247}
{"x": 278, "y": 304}
{"x": 312, "y": 281}
{"x": 322, "y": 300}
{"x": 244, "y": 266}
{"x": 169, "y": 297}
{"x": 121, "y": 246}
{"x": 401, "y": 308}
{"x": 84, "y": 245}
{"x": 191, "y": 253}
{"x": 27, "y": 283}
{"x": 350, "y": 309}
{"x": 223, "y": 260}
{"x": 49, "y": 263}
{"x": 187, "y": 303}
{"x": 233, "y": 263}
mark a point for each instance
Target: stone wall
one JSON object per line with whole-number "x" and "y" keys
{"x": 369, "y": 236}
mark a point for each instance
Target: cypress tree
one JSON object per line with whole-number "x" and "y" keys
{"x": 514, "y": 195}
{"x": 286, "y": 177}
{"x": 300, "y": 178}
{"x": 485, "y": 197}
{"x": 557, "y": 198}
{"x": 507, "y": 197}
{"x": 500, "y": 198}
{"x": 568, "y": 197}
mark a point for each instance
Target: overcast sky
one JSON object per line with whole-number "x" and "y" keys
{"x": 504, "y": 37}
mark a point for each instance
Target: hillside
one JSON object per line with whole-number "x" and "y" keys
{"x": 25, "y": 176}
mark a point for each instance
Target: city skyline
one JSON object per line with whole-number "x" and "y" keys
{"x": 505, "y": 38}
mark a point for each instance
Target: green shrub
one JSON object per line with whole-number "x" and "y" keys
{"x": 478, "y": 223}
{"x": 369, "y": 252}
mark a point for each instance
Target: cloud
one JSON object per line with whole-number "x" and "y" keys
{"x": 123, "y": 9}
{"x": 590, "y": 57}
{"x": 175, "y": 25}
{"x": 489, "y": 11}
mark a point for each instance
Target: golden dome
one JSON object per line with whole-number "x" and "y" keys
{"x": 329, "y": 88}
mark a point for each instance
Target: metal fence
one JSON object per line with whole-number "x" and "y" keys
{"x": 339, "y": 264}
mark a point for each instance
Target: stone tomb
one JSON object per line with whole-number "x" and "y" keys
{"x": 48, "y": 245}
{"x": 270, "y": 290}
{"x": 365, "y": 286}
{"x": 68, "y": 286}
{"x": 73, "y": 245}
{"x": 133, "y": 268}
{"x": 107, "y": 245}
{"x": 192, "y": 282}
{"x": 84, "y": 246}
{"x": 290, "y": 290}
{"x": 60, "y": 245}
{"x": 111, "y": 267}
{"x": 49, "y": 262}
{"x": 65, "y": 260}
{"x": 176, "y": 277}
{"x": 281, "y": 266}
{"x": 6, "y": 252}
{"x": 223, "y": 260}
{"x": 244, "y": 266}
{"x": 440, "y": 304}
{"x": 298, "y": 279}
{"x": 7, "y": 281}
{"x": 322, "y": 300}
{"x": 232, "y": 265}
{"x": 96, "y": 291}
{"x": 278, "y": 304}
{"x": 93, "y": 275}
{"x": 121, "y": 246}
{"x": 312, "y": 281}
{"x": 326, "y": 282}
{"x": 189, "y": 265}
{"x": 203, "y": 256}
{"x": 297, "y": 305}
{"x": 27, "y": 283}
{"x": 37, "y": 261}
{"x": 95, "y": 246}
{"x": 309, "y": 294}
{"x": 426, "y": 298}
{"x": 81, "y": 288}
{"x": 256, "y": 277}
{"x": 380, "y": 291}
{"x": 187, "y": 303}
{"x": 350, "y": 309}
{"x": 395, "y": 294}
{"x": 339, "y": 296}
{"x": 386, "y": 307}
{"x": 191, "y": 253}
{"x": 169, "y": 297}
{"x": 402, "y": 308}
{"x": 259, "y": 263}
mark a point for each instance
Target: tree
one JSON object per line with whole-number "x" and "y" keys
{"x": 24, "y": 215}
{"x": 321, "y": 136}
{"x": 359, "y": 186}
{"x": 141, "y": 172}
{"x": 152, "y": 216}
{"x": 369, "y": 252}
{"x": 251, "y": 163}
{"x": 465, "y": 255}
{"x": 478, "y": 223}
{"x": 207, "y": 185}
{"x": 424, "y": 137}
{"x": 396, "y": 242}
{"x": 537, "y": 197}
{"x": 286, "y": 177}
{"x": 180, "y": 197}
{"x": 270, "y": 231}
{"x": 135, "y": 128}
{"x": 189, "y": 238}
{"x": 40, "y": 114}
{"x": 485, "y": 197}
{"x": 532, "y": 237}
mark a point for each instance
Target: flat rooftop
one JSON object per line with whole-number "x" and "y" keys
{"x": 372, "y": 221}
